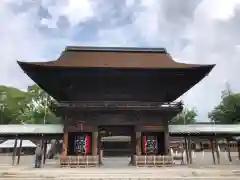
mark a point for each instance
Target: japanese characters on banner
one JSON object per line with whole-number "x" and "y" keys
{"x": 82, "y": 144}
{"x": 150, "y": 145}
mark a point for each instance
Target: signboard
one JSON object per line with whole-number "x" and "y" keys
{"x": 152, "y": 128}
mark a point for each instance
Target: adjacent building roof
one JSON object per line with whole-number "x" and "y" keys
{"x": 205, "y": 129}
{"x": 10, "y": 144}
{"x": 31, "y": 129}
{"x": 173, "y": 129}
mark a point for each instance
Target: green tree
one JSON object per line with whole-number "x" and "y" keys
{"x": 32, "y": 107}
{"x": 37, "y": 110}
{"x": 228, "y": 110}
{"x": 11, "y": 101}
{"x": 187, "y": 116}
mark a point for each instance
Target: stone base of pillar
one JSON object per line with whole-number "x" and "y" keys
{"x": 132, "y": 161}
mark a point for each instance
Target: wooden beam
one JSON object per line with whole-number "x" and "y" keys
{"x": 229, "y": 150}
{"x": 212, "y": 148}
{"x": 133, "y": 144}
{"x": 190, "y": 150}
{"x": 186, "y": 149}
{"x": 44, "y": 151}
{"x": 238, "y": 144}
{"x": 166, "y": 138}
{"x": 217, "y": 151}
{"x": 138, "y": 144}
{"x": 65, "y": 144}
{"x": 19, "y": 151}
{"x": 99, "y": 148}
{"x": 94, "y": 143}
{"x": 14, "y": 150}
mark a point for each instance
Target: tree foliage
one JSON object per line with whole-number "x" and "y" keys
{"x": 187, "y": 116}
{"x": 37, "y": 110}
{"x": 18, "y": 106}
{"x": 11, "y": 101}
{"x": 228, "y": 111}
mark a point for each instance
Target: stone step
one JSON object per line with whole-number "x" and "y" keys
{"x": 121, "y": 178}
{"x": 140, "y": 175}
{"x": 23, "y": 173}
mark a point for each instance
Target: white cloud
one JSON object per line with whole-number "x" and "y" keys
{"x": 218, "y": 9}
{"x": 212, "y": 41}
{"x": 193, "y": 31}
{"x": 18, "y": 40}
{"x": 76, "y": 11}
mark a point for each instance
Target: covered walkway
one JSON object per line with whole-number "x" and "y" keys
{"x": 56, "y": 130}
{"x": 190, "y": 133}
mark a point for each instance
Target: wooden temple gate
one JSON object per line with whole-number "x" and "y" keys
{"x": 147, "y": 127}
{"x": 101, "y": 86}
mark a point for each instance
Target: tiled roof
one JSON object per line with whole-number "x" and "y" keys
{"x": 115, "y": 58}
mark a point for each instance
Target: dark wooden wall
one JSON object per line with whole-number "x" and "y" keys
{"x": 118, "y": 118}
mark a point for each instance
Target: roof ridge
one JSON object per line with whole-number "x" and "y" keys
{"x": 116, "y": 49}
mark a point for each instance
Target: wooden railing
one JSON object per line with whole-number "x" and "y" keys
{"x": 120, "y": 105}
{"x": 79, "y": 161}
{"x": 152, "y": 161}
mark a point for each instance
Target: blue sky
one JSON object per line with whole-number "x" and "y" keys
{"x": 193, "y": 31}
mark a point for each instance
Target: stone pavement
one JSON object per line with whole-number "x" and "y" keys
{"x": 117, "y": 168}
{"x": 183, "y": 172}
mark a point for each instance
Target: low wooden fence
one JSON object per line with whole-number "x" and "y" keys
{"x": 79, "y": 161}
{"x": 154, "y": 160}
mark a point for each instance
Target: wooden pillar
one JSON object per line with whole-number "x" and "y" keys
{"x": 202, "y": 147}
{"x": 166, "y": 138}
{"x": 186, "y": 149}
{"x": 14, "y": 151}
{"x": 190, "y": 150}
{"x": 229, "y": 150}
{"x": 99, "y": 144}
{"x": 44, "y": 151}
{"x": 238, "y": 144}
{"x": 133, "y": 144}
{"x": 65, "y": 144}
{"x": 212, "y": 148}
{"x": 138, "y": 144}
{"x": 94, "y": 143}
{"x": 42, "y": 147}
{"x": 217, "y": 151}
{"x": 19, "y": 151}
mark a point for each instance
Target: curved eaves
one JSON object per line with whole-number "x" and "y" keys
{"x": 43, "y": 77}
{"x": 190, "y": 78}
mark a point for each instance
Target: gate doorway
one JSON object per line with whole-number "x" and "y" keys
{"x": 116, "y": 145}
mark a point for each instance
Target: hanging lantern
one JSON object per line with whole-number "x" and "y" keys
{"x": 80, "y": 126}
